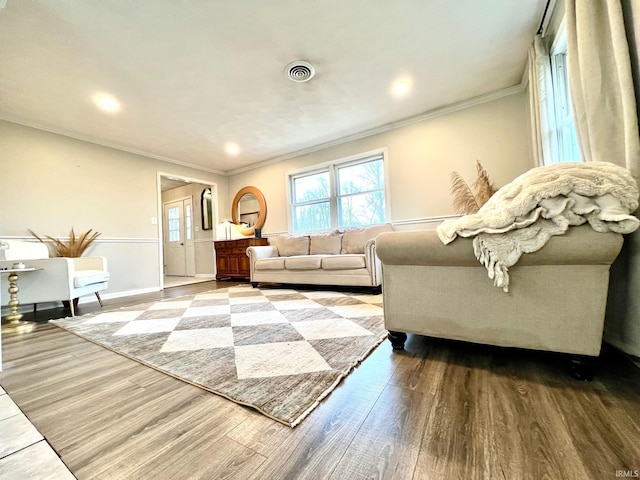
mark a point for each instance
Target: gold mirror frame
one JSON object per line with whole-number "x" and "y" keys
{"x": 262, "y": 216}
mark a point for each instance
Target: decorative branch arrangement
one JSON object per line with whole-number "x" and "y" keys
{"x": 466, "y": 199}
{"x": 76, "y": 245}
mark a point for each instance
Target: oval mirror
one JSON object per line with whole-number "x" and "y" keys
{"x": 249, "y": 207}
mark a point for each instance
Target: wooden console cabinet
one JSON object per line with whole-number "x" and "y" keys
{"x": 231, "y": 257}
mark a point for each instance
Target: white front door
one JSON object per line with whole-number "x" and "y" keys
{"x": 179, "y": 246}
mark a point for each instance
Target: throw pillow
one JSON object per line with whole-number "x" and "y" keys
{"x": 326, "y": 243}
{"x": 354, "y": 239}
{"x": 290, "y": 245}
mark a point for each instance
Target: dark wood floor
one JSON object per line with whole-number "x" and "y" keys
{"x": 440, "y": 410}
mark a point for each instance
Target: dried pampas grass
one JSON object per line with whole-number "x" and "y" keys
{"x": 466, "y": 199}
{"x": 76, "y": 245}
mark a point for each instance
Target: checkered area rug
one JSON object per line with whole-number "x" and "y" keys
{"x": 278, "y": 351}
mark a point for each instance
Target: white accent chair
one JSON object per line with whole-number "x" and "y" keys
{"x": 61, "y": 278}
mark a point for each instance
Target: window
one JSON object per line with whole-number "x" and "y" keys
{"x": 342, "y": 194}
{"x": 311, "y": 201}
{"x": 566, "y": 142}
{"x": 174, "y": 224}
{"x": 187, "y": 217}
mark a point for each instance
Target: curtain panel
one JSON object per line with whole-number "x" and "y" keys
{"x": 601, "y": 83}
{"x": 545, "y": 142}
{"x": 602, "y": 92}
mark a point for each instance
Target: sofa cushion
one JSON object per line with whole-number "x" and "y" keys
{"x": 273, "y": 263}
{"x": 326, "y": 244}
{"x": 303, "y": 262}
{"x": 343, "y": 262}
{"x": 290, "y": 245}
{"x": 354, "y": 239}
{"x": 82, "y": 278}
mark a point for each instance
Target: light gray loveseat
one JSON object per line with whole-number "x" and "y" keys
{"x": 556, "y": 299}
{"x": 348, "y": 258}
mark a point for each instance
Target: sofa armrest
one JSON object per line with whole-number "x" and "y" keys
{"x": 372, "y": 261}
{"x": 262, "y": 251}
{"x": 255, "y": 253}
{"x": 578, "y": 246}
{"x": 423, "y": 247}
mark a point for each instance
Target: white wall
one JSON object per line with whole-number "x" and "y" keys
{"x": 50, "y": 183}
{"x": 420, "y": 158}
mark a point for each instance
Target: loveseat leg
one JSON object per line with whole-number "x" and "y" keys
{"x": 583, "y": 367}
{"x": 254, "y": 284}
{"x": 397, "y": 339}
{"x": 377, "y": 290}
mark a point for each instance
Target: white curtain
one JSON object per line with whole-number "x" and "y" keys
{"x": 545, "y": 142}
{"x": 602, "y": 92}
{"x": 601, "y": 83}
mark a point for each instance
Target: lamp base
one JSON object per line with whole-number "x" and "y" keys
{"x": 17, "y": 326}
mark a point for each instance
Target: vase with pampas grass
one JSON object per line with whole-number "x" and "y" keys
{"x": 74, "y": 247}
{"x": 468, "y": 199}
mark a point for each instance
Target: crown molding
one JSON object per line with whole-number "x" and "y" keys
{"x": 115, "y": 146}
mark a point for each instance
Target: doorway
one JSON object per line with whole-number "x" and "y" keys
{"x": 179, "y": 247}
{"x": 186, "y": 243}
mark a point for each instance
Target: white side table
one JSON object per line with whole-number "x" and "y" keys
{"x": 13, "y": 320}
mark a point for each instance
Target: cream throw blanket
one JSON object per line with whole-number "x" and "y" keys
{"x": 522, "y": 216}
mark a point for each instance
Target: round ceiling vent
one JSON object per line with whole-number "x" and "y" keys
{"x": 300, "y": 71}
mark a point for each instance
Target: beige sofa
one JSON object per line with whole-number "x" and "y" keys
{"x": 347, "y": 258}
{"x": 556, "y": 300}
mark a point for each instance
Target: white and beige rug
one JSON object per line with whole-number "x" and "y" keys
{"x": 278, "y": 351}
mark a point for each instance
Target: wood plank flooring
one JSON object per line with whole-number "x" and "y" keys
{"x": 440, "y": 410}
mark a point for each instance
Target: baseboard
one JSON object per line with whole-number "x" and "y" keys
{"x": 91, "y": 298}
{"x": 128, "y": 293}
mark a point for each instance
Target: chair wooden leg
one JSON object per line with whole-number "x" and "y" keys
{"x": 99, "y": 299}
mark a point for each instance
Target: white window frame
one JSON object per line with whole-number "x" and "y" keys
{"x": 567, "y": 149}
{"x": 332, "y": 168}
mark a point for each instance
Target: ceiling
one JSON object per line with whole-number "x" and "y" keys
{"x": 192, "y": 76}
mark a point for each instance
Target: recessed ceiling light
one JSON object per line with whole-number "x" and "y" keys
{"x": 232, "y": 148}
{"x": 106, "y": 103}
{"x": 401, "y": 87}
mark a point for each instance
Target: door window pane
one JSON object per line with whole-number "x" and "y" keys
{"x": 174, "y": 224}
{"x": 187, "y": 219}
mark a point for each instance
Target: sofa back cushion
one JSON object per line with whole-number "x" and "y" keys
{"x": 354, "y": 239}
{"x": 325, "y": 244}
{"x": 290, "y": 245}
